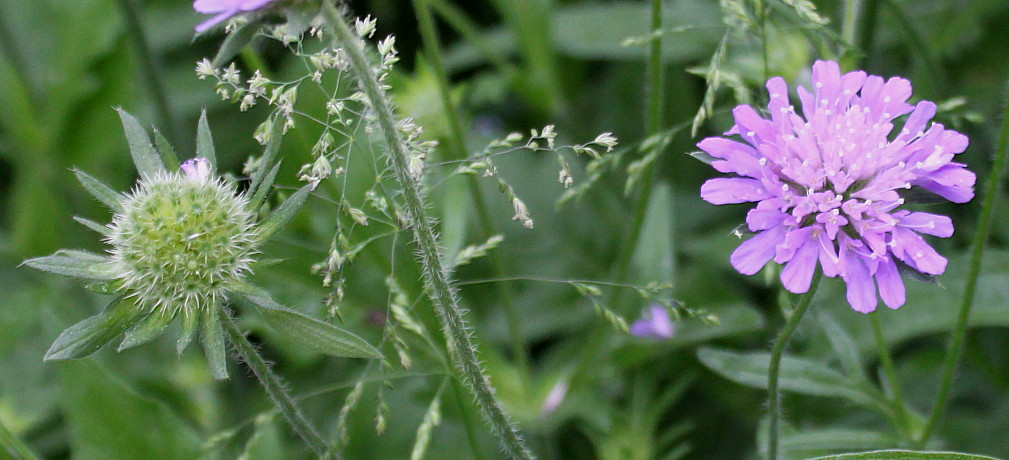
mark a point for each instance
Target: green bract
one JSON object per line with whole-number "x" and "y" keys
{"x": 181, "y": 244}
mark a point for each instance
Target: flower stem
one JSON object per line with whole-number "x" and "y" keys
{"x": 764, "y": 53}
{"x": 775, "y": 365}
{"x": 890, "y": 371}
{"x": 274, "y": 387}
{"x": 977, "y": 250}
{"x": 429, "y": 35}
{"x": 151, "y": 68}
{"x": 440, "y": 291}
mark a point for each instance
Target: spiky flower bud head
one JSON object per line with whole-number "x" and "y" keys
{"x": 181, "y": 239}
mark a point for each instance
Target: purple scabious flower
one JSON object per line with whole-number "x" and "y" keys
{"x": 828, "y": 183}
{"x": 224, "y": 10}
{"x": 654, "y": 324}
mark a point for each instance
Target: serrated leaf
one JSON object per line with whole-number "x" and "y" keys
{"x": 320, "y": 336}
{"x": 146, "y": 329}
{"x": 102, "y": 192}
{"x": 145, "y": 158}
{"x": 88, "y": 336}
{"x": 263, "y": 190}
{"x": 205, "y": 141}
{"x": 212, "y": 336}
{"x": 262, "y": 176}
{"x": 76, "y": 264}
{"x": 101, "y": 229}
{"x": 283, "y": 214}
{"x": 166, "y": 151}
{"x": 905, "y": 455}
{"x": 190, "y": 323}
{"x": 236, "y": 40}
{"x": 796, "y": 374}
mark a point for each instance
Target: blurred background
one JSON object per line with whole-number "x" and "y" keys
{"x": 514, "y": 65}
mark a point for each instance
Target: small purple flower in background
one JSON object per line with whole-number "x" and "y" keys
{"x": 555, "y": 397}
{"x": 224, "y": 10}
{"x": 827, "y": 183}
{"x": 654, "y": 324}
{"x": 196, "y": 169}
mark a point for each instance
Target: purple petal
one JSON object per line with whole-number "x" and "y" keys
{"x": 891, "y": 287}
{"x": 929, "y": 224}
{"x": 911, "y": 248}
{"x": 915, "y": 123}
{"x": 654, "y": 324}
{"x": 249, "y": 5}
{"x": 214, "y": 6}
{"x": 754, "y": 253}
{"x": 952, "y": 182}
{"x": 752, "y": 127}
{"x": 206, "y": 25}
{"x": 730, "y": 190}
{"x": 861, "y": 289}
{"x": 798, "y": 273}
{"x": 762, "y": 219}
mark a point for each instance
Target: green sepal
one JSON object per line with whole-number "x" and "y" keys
{"x": 309, "y": 332}
{"x": 101, "y": 229}
{"x": 236, "y": 40}
{"x": 263, "y": 189}
{"x": 212, "y": 336}
{"x": 205, "y": 141}
{"x": 283, "y": 214}
{"x": 190, "y": 323}
{"x": 102, "y": 192}
{"x": 88, "y": 336}
{"x": 146, "y": 329}
{"x": 145, "y": 158}
{"x": 76, "y": 264}
{"x": 166, "y": 151}
{"x": 261, "y": 178}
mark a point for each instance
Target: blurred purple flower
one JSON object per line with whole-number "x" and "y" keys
{"x": 826, "y": 183}
{"x": 654, "y": 324}
{"x": 555, "y": 397}
{"x": 196, "y": 169}
{"x": 224, "y": 10}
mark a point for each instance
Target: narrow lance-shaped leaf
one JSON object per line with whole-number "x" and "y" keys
{"x": 261, "y": 178}
{"x": 212, "y": 336}
{"x": 146, "y": 329}
{"x": 205, "y": 141}
{"x": 320, "y": 336}
{"x": 166, "y": 151}
{"x": 236, "y": 40}
{"x": 264, "y": 189}
{"x": 76, "y": 264}
{"x": 284, "y": 213}
{"x": 102, "y": 192}
{"x": 145, "y": 158}
{"x": 101, "y": 229}
{"x": 190, "y": 323}
{"x": 905, "y": 455}
{"x": 88, "y": 336}
{"x": 844, "y": 346}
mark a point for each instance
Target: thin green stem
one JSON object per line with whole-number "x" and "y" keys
{"x": 14, "y": 447}
{"x": 274, "y": 387}
{"x": 470, "y": 32}
{"x": 440, "y": 291}
{"x": 764, "y": 53}
{"x": 992, "y": 190}
{"x": 865, "y": 32}
{"x": 429, "y": 35}
{"x": 467, "y": 424}
{"x": 774, "y": 367}
{"x": 151, "y": 68}
{"x": 890, "y": 371}
{"x": 852, "y": 10}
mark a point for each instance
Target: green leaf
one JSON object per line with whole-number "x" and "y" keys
{"x": 14, "y": 447}
{"x": 267, "y": 440}
{"x": 283, "y": 214}
{"x": 263, "y": 177}
{"x": 101, "y": 229}
{"x": 88, "y": 336}
{"x": 76, "y": 264}
{"x": 844, "y": 346}
{"x": 146, "y": 329}
{"x": 264, "y": 189}
{"x": 166, "y": 151}
{"x": 205, "y": 141}
{"x": 102, "y": 192}
{"x": 212, "y": 336}
{"x": 147, "y": 161}
{"x": 905, "y": 455}
{"x": 797, "y": 375}
{"x": 190, "y": 323}
{"x": 236, "y": 40}
{"x": 653, "y": 258}
{"x": 302, "y": 329}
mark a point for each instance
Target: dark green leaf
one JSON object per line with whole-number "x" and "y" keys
{"x": 844, "y": 346}
{"x": 205, "y": 141}
{"x": 264, "y": 189}
{"x": 166, "y": 151}
{"x": 905, "y": 455}
{"x": 235, "y": 42}
{"x": 283, "y": 214}
{"x": 146, "y": 329}
{"x": 145, "y": 158}
{"x": 90, "y": 335}
{"x": 76, "y": 264}
{"x": 212, "y": 336}
{"x": 262, "y": 176}
{"x": 102, "y": 192}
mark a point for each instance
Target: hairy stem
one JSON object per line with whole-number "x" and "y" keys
{"x": 429, "y": 34}
{"x": 274, "y": 387}
{"x": 977, "y": 250}
{"x": 890, "y": 371}
{"x": 440, "y": 290}
{"x": 774, "y": 366}
{"x": 152, "y": 71}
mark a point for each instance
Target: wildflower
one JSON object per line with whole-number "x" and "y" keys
{"x": 555, "y": 397}
{"x": 828, "y": 184}
{"x": 654, "y": 324}
{"x": 224, "y": 10}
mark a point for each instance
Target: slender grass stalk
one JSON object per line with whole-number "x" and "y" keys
{"x": 429, "y": 35}
{"x": 275, "y": 388}
{"x": 470, "y": 32}
{"x": 151, "y": 68}
{"x": 440, "y": 290}
{"x": 992, "y": 190}
{"x": 890, "y": 371}
{"x": 764, "y": 53}
{"x": 774, "y": 366}
{"x": 474, "y": 445}
{"x": 852, "y": 10}
{"x": 14, "y": 447}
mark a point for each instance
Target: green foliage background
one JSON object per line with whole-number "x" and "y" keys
{"x": 65, "y": 64}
